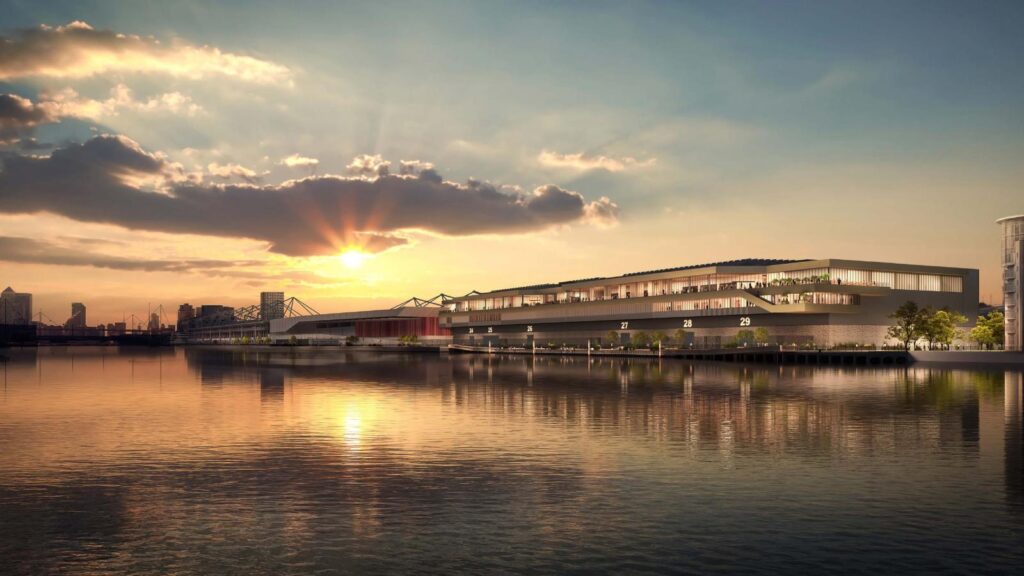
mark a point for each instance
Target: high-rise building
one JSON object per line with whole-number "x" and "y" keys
{"x": 271, "y": 305}
{"x": 186, "y": 313}
{"x": 1013, "y": 279}
{"x": 15, "y": 307}
{"x": 154, "y": 322}
{"x": 77, "y": 319}
{"x": 214, "y": 313}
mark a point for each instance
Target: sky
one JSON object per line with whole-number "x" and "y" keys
{"x": 357, "y": 154}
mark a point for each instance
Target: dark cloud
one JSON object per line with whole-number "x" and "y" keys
{"x": 112, "y": 180}
{"x": 30, "y": 251}
{"x": 20, "y": 116}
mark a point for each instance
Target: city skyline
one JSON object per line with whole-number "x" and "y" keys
{"x": 356, "y": 156}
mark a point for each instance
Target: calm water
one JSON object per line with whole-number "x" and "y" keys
{"x": 204, "y": 461}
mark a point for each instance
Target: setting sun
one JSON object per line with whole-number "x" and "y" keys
{"x": 353, "y": 258}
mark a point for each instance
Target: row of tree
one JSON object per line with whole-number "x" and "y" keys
{"x": 990, "y": 330}
{"x": 680, "y": 338}
{"x": 644, "y": 340}
{"x": 939, "y": 328}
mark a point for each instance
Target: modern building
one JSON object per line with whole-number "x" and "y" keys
{"x": 77, "y": 321}
{"x": 185, "y": 314}
{"x": 1013, "y": 279}
{"x": 271, "y": 305}
{"x": 369, "y": 327}
{"x": 117, "y": 328}
{"x": 15, "y": 307}
{"x": 805, "y": 302}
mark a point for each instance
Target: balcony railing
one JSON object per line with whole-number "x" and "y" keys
{"x": 754, "y": 288}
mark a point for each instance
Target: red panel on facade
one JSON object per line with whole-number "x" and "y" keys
{"x": 397, "y": 327}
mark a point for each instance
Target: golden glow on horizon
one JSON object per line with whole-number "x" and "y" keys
{"x": 353, "y": 258}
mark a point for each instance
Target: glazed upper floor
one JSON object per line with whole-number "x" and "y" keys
{"x": 749, "y": 275}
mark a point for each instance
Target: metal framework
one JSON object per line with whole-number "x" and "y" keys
{"x": 436, "y": 302}
{"x": 292, "y": 307}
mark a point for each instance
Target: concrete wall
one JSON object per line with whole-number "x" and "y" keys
{"x": 994, "y": 358}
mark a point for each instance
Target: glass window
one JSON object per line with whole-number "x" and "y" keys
{"x": 929, "y": 283}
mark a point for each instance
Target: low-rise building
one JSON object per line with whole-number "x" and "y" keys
{"x": 804, "y": 302}
{"x": 366, "y": 327}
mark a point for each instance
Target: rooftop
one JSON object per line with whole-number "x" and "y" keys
{"x": 740, "y": 262}
{"x": 1017, "y": 217}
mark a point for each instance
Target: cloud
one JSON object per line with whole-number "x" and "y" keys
{"x": 67, "y": 102}
{"x": 299, "y": 161}
{"x": 413, "y": 166}
{"x": 29, "y": 251}
{"x": 20, "y": 116}
{"x": 583, "y": 162}
{"x": 228, "y": 171}
{"x": 111, "y": 179}
{"x": 369, "y": 166}
{"x": 77, "y": 50}
{"x": 603, "y": 212}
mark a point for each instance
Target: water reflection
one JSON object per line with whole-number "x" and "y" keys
{"x": 303, "y": 460}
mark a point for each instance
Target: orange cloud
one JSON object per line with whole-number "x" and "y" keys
{"x": 77, "y": 50}
{"x": 582, "y": 162}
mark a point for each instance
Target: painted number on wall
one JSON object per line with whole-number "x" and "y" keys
{"x": 490, "y": 329}
{"x": 529, "y": 328}
{"x": 744, "y": 320}
{"x": 687, "y": 323}
{"x": 470, "y": 330}
{"x": 625, "y": 326}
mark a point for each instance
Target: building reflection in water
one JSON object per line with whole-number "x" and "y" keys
{"x": 829, "y": 412}
{"x": 1013, "y": 391}
{"x": 775, "y": 409}
{"x": 326, "y": 449}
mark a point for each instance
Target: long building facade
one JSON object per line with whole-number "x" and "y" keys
{"x": 365, "y": 327}
{"x": 803, "y": 302}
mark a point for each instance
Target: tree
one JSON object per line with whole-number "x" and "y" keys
{"x": 982, "y": 335}
{"x": 744, "y": 337}
{"x": 997, "y": 323}
{"x": 761, "y": 335}
{"x": 659, "y": 337}
{"x": 989, "y": 330}
{"x": 940, "y": 327}
{"x": 640, "y": 339}
{"x": 613, "y": 338}
{"x": 681, "y": 336}
{"x": 908, "y": 323}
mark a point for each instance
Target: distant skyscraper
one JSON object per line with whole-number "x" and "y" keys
{"x": 1013, "y": 278}
{"x": 271, "y": 305}
{"x": 15, "y": 307}
{"x": 77, "y": 319}
{"x": 154, "y": 322}
{"x": 185, "y": 315}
